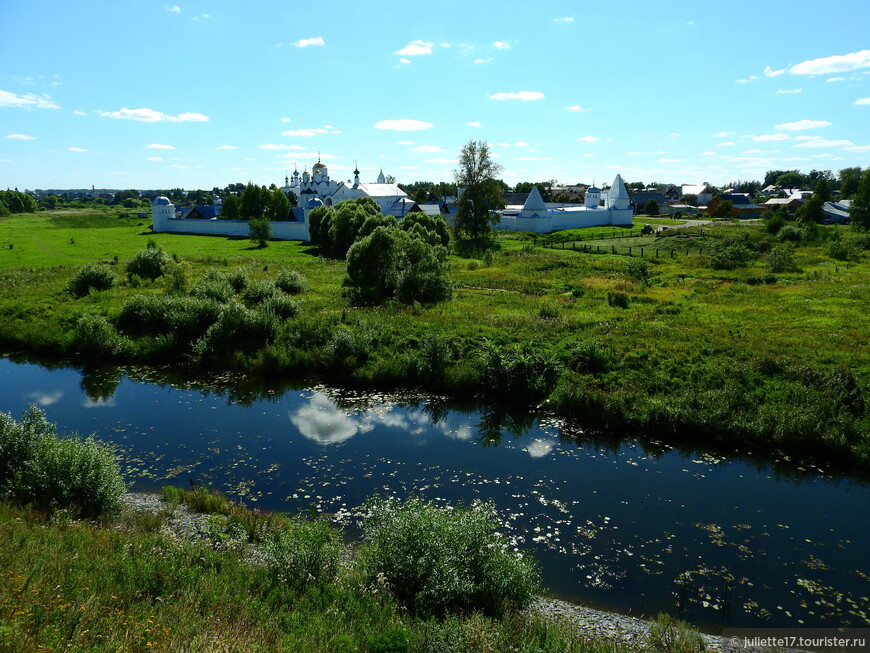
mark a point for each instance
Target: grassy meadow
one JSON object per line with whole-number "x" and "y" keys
{"x": 668, "y": 349}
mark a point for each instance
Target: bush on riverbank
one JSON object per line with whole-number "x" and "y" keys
{"x": 39, "y": 468}
{"x": 437, "y": 560}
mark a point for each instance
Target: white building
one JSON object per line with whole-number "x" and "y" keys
{"x": 390, "y": 198}
{"x": 536, "y": 217}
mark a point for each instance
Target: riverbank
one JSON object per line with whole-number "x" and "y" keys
{"x": 678, "y": 345}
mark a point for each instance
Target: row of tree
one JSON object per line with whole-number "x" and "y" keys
{"x": 13, "y": 201}
{"x": 256, "y": 202}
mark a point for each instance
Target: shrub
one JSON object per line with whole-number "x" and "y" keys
{"x": 48, "y": 472}
{"x": 588, "y": 357}
{"x": 781, "y": 259}
{"x": 258, "y": 291}
{"x": 441, "y": 560}
{"x": 91, "y": 277}
{"x": 281, "y": 307}
{"x": 348, "y": 347}
{"x": 843, "y": 250}
{"x": 548, "y": 311}
{"x": 149, "y": 263}
{"x": 290, "y": 282}
{"x": 95, "y": 336}
{"x": 672, "y": 636}
{"x": 187, "y": 318}
{"x": 436, "y": 354}
{"x": 728, "y": 255}
{"x": 236, "y": 329}
{"x": 617, "y": 299}
{"x": 303, "y": 554}
{"x": 790, "y": 233}
{"x": 214, "y": 286}
{"x": 238, "y": 279}
{"x": 774, "y": 223}
{"x": 638, "y": 270}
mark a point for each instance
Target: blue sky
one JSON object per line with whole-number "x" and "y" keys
{"x": 208, "y": 92}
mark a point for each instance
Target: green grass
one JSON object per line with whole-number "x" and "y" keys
{"x": 726, "y": 359}
{"x": 120, "y": 585}
{"x": 645, "y": 219}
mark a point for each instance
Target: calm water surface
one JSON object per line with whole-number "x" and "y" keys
{"x": 717, "y": 541}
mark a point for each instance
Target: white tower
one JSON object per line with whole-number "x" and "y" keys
{"x": 593, "y": 197}
{"x": 381, "y": 178}
{"x": 161, "y": 211}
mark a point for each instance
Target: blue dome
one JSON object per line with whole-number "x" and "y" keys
{"x": 161, "y": 201}
{"x": 314, "y": 202}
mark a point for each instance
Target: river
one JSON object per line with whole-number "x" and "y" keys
{"x": 718, "y": 540}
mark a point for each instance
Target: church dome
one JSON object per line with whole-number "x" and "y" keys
{"x": 317, "y": 166}
{"x": 314, "y": 202}
{"x": 161, "y": 201}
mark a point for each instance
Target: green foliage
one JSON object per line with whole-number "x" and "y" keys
{"x": 781, "y": 259}
{"x": 258, "y": 292}
{"x": 639, "y": 270}
{"x": 253, "y": 201}
{"x": 231, "y": 209}
{"x": 236, "y": 329}
{"x": 515, "y": 370}
{"x": 790, "y": 233}
{"x": 441, "y": 560}
{"x": 304, "y": 554}
{"x": 588, "y": 357}
{"x": 722, "y": 210}
{"x": 730, "y": 254}
{"x": 280, "y": 306}
{"x": 279, "y": 205}
{"x": 214, "y": 286}
{"x": 41, "y": 469}
{"x": 773, "y": 222}
{"x": 481, "y": 194}
{"x": 859, "y": 211}
{"x": 149, "y": 263}
{"x": 91, "y": 277}
{"x": 843, "y": 250}
{"x": 435, "y": 224}
{"x": 14, "y": 201}
{"x": 669, "y": 635}
{"x": 184, "y": 318}
{"x": 260, "y": 230}
{"x": 391, "y": 263}
{"x": 290, "y": 282}
{"x": 651, "y": 207}
{"x": 94, "y": 336}
{"x": 617, "y": 299}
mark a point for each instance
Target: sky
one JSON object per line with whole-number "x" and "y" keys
{"x": 205, "y": 93}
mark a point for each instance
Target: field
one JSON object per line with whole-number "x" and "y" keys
{"x": 766, "y": 362}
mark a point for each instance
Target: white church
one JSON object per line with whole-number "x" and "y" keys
{"x": 317, "y": 189}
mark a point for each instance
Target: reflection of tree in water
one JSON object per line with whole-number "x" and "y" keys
{"x": 499, "y": 419}
{"x": 100, "y": 383}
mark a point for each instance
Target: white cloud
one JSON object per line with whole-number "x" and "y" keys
{"x": 76, "y": 149}
{"x": 286, "y": 120}
{"x": 415, "y": 48}
{"x": 473, "y": 124}
{"x": 501, "y": 45}
{"x": 802, "y": 124}
{"x": 309, "y": 131}
{"x": 272, "y": 146}
{"x": 670, "y": 160}
{"x": 835, "y": 79}
{"x": 521, "y": 144}
{"x": 863, "y": 100}
{"x": 589, "y": 139}
{"x": 770, "y": 72}
{"x": 858, "y": 148}
{"x": 445, "y": 45}
{"x": 566, "y": 19}
{"x": 158, "y": 146}
{"x": 407, "y": 142}
{"x": 174, "y": 9}
{"x": 524, "y": 96}
{"x": 817, "y": 141}
{"x": 538, "y": 448}
{"x": 403, "y": 60}
{"x": 766, "y": 138}
{"x": 26, "y": 101}
{"x": 403, "y": 125}
{"x": 753, "y": 151}
{"x": 19, "y": 137}
{"x": 487, "y": 60}
{"x": 427, "y": 148}
{"x": 76, "y": 112}
{"x": 840, "y": 63}
{"x": 722, "y": 134}
{"x": 440, "y": 160}
{"x": 504, "y": 144}
{"x": 156, "y": 159}
{"x": 576, "y": 107}
{"x": 747, "y": 80}
{"x": 690, "y": 22}
{"x": 725, "y": 144}
{"x": 304, "y": 43}
{"x": 228, "y": 147}
{"x": 150, "y": 115}
{"x": 201, "y": 17}
{"x": 783, "y": 91}
{"x": 707, "y": 154}
{"x": 674, "y": 134}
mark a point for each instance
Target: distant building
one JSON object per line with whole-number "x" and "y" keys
{"x": 537, "y": 217}
{"x": 703, "y": 192}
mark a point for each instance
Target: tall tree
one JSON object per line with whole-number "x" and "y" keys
{"x": 651, "y": 207}
{"x": 232, "y": 208}
{"x": 254, "y": 201}
{"x": 279, "y": 205}
{"x": 850, "y": 178}
{"x": 823, "y": 189}
{"x": 859, "y": 212}
{"x": 481, "y": 193}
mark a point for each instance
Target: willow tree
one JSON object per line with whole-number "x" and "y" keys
{"x": 480, "y": 193}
